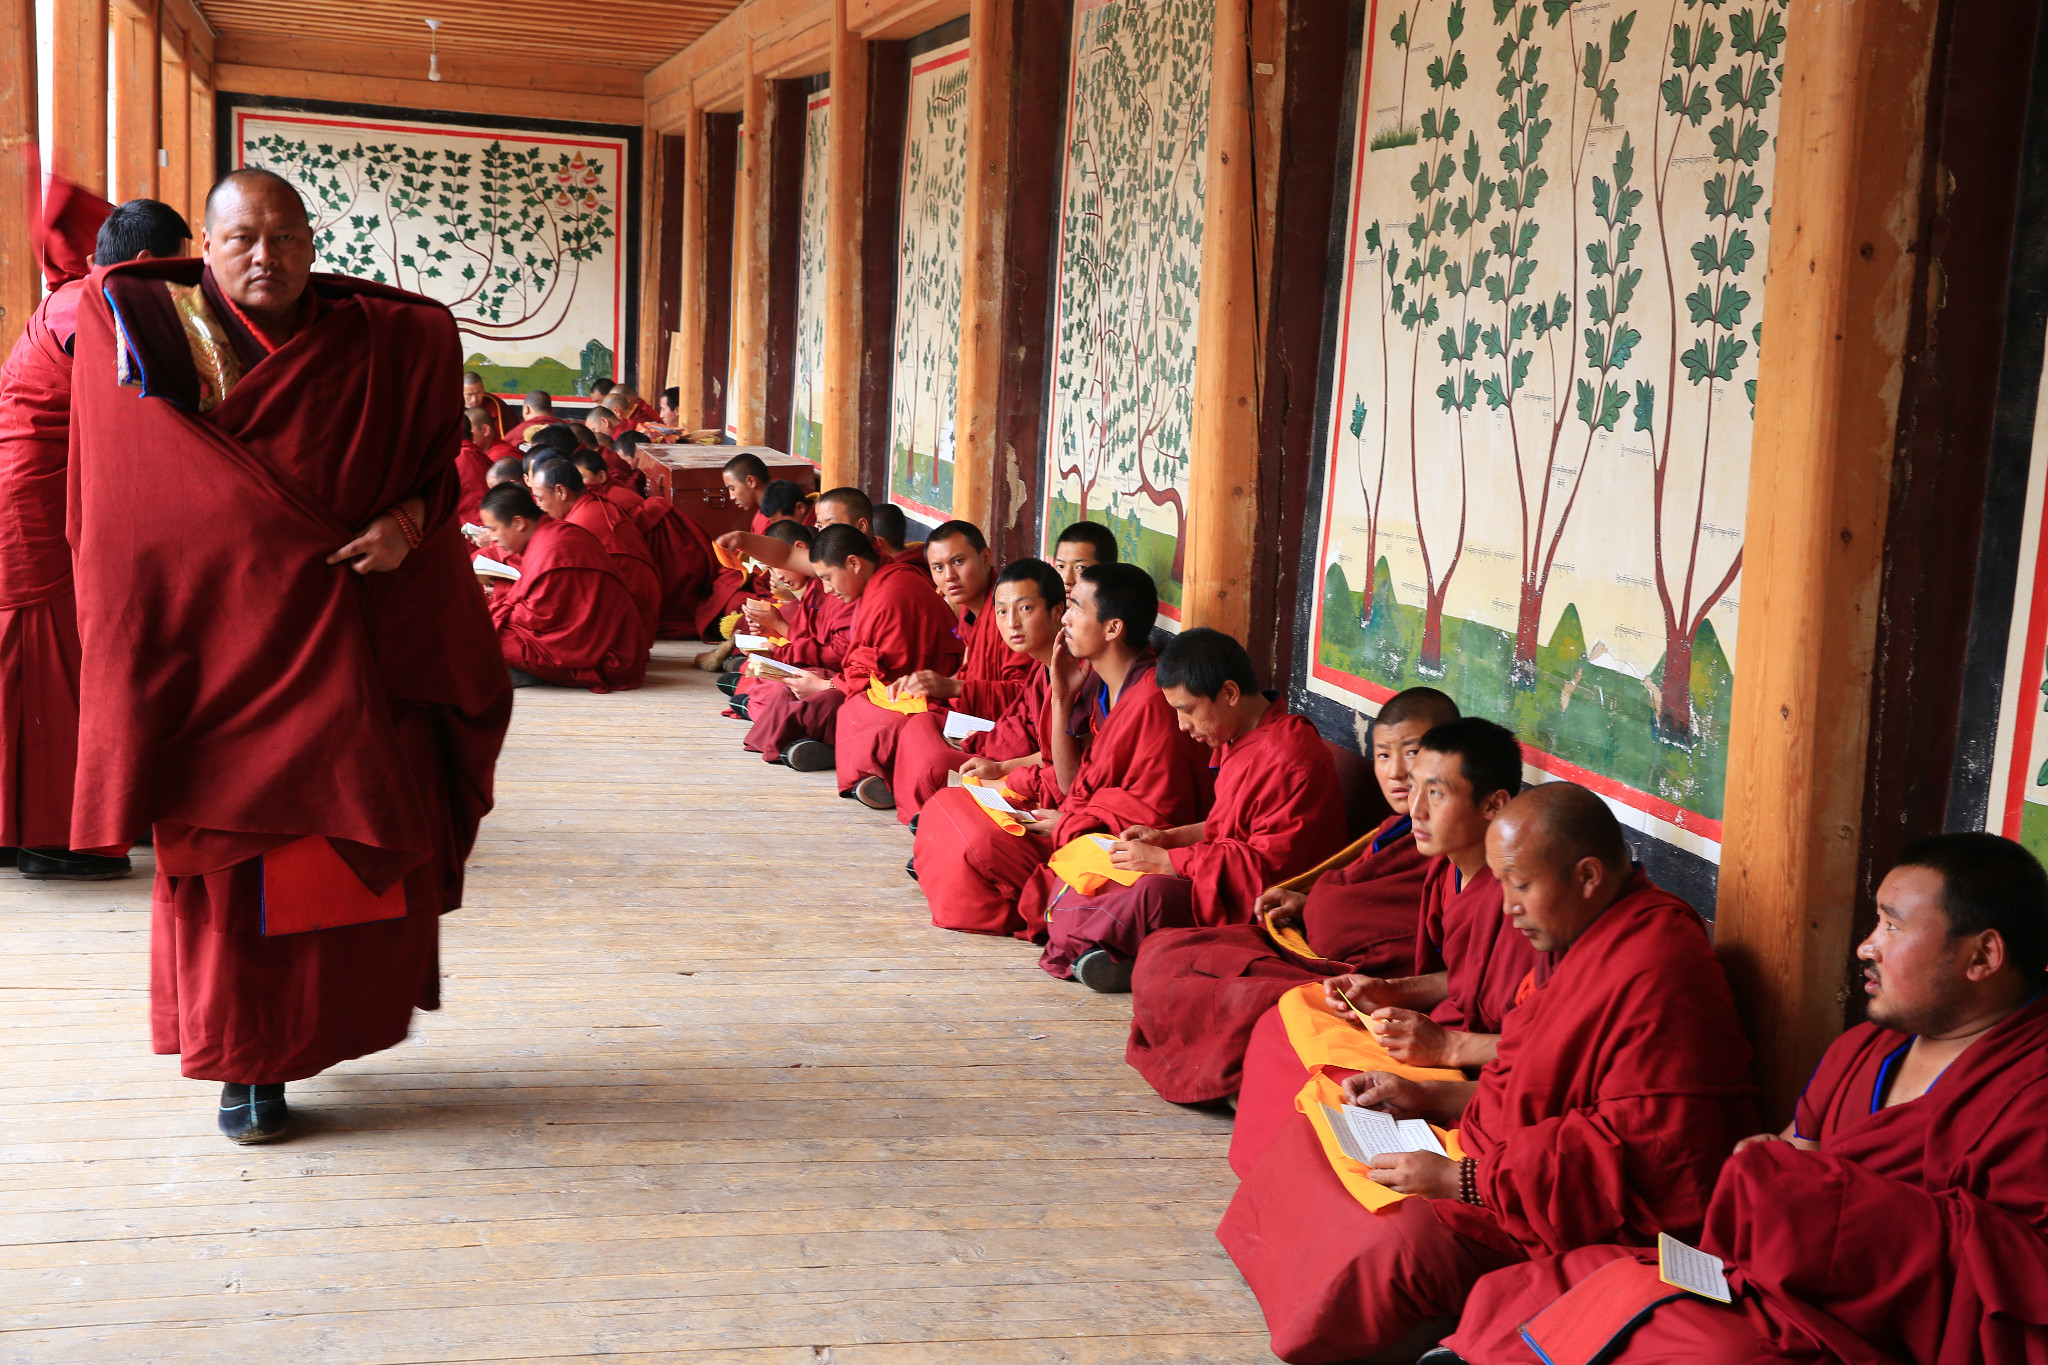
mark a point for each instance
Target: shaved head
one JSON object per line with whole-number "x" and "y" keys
{"x": 1565, "y": 823}
{"x": 258, "y": 243}
{"x": 507, "y": 470}
{"x": 1561, "y": 860}
{"x": 254, "y": 181}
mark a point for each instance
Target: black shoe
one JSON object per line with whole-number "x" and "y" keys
{"x": 253, "y": 1113}
{"x": 1440, "y": 1355}
{"x": 62, "y": 865}
{"x": 911, "y": 867}
{"x": 1103, "y": 971}
{"x": 728, "y": 683}
{"x": 810, "y": 756}
{"x": 874, "y": 793}
{"x": 913, "y": 824}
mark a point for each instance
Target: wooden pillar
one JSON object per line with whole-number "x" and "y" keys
{"x": 687, "y": 372}
{"x": 20, "y": 277}
{"x": 174, "y": 177}
{"x": 991, "y": 74}
{"x": 881, "y": 195}
{"x": 203, "y": 170}
{"x": 1847, "y": 224}
{"x": 721, "y": 195}
{"x": 138, "y": 100}
{"x": 668, "y": 300}
{"x": 845, "y": 199}
{"x": 750, "y": 261}
{"x": 1223, "y": 453}
{"x": 78, "y": 94}
{"x": 789, "y": 129}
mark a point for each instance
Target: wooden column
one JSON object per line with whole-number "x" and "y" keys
{"x": 78, "y": 94}
{"x": 690, "y": 303}
{"x": 991, "y": 74}
{"x": 881, "y": 195}
{"x": 1847, "y": 222}
{"x": 785, "y": 154}
{"x": 20, "y": 277}
{"x": 750, "y": 261}
{"x": 668, "y": 292}
{"x": 845, "y": 316}
{"x": 1223, "y": 454}
{"x": 174, "y": 177}
{"x": 138, "y": 101}
{"x": 204, "y": 169}
{"x": 721, "y": 194}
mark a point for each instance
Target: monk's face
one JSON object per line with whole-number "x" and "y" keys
{"x": 260, "y": 247}
{"x": 1028, "y": 625}
{"x": 1917, "y": 975}
{"x": 960, "y": 571}
{"x": 832, "y": 512}
{"x": 1213, "y": 720}
{"x": 1070, "y": 557}
{"x": 481, "y": 434}
{"x": 1447, "y": 821}
{"x": 472, "y": 394}
{"x": 668, "y": 415}
{"x": 511, "y": 535}
{"x": 1547, "y": 898}
{"x": 1088, "y": 635}
{"x": 554, "y": 499}
{"x": 743, "y": 493}
{"x": 1394, "y": 748}
{"x": 849, "y": 580}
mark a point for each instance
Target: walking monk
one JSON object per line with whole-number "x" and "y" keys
{"x": 1115, "y": 756}
{"x": 569, "y": 619}
{"x": 991, "y": 675}
{"x": 1278, "y": 812}
{"x": 1196, "y": 993}
{"x": 1902, "y": 1215}
{"x": 1619, "y": 1087}
{"x": 292, "y": 675}
{"x": 38, "y": 613}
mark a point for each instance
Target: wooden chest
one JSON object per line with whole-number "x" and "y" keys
{"x": 691, "y": 478}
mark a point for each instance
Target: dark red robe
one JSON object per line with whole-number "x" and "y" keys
{"x": 622, "y": 541}
{"x": 522, "y": 432}
{"x": 924, "y": 757}
{"x": 473, "y": 467}
{"x": 1196, "y": 993}
{"x": 1278, "y": 813}
{"x": 1620, "y": 1087}
{"x": 820, "y": 625}
{"x": 570, "y": 619}
{"x": 239, "y": 693}
{"x": 1916, "y": 1233}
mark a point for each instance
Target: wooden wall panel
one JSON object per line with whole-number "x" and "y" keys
{"x": 78, "y": 94}
{"x": 20, "y": 277}
{"x": 721, "y": 176}
{"x": 785, "y": 201}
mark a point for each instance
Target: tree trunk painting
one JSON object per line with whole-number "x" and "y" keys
{"x": 807, "y": 393}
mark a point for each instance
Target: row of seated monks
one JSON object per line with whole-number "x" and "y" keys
{"x": 1489, "y": 961}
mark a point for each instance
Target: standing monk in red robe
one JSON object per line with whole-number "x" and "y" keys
{"x": 991, "y": 675}
{"x": 1116, "y": 757}
{"x": 558, "y": 488}
{"x": 38, "y": 613}
{"x": 569, "y": 620}
{"x": 900, "y": 625}
{"x": 293, "y": 677}
{"x": 1619, "y": 1087}
{"x": 475, "y": 395}
{"x": 1903, "y": 1214}
{"x": 1196, "y": 993}
{"x": 1278, "y": 812}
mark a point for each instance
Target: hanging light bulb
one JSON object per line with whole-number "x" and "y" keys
{"x": 434, "y": 52}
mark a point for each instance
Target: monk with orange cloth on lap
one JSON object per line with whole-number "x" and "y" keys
{"x": 1116, "y": 756}
{"x": 558, "y": 488}
{"x": 815, "y": 629}
{"x": 900, "y": 625}
{"x": 1278, "y": 812}
{"x": 1196, "y": 993}
{"x": 1619, "y": 1086}
{"x": 1902, "y": 1216}
{"x": 568, "y": 620}
{"x": 991, "y": 675}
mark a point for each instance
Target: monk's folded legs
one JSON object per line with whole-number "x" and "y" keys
{"x": 780, "y": 719}
{"x": 1117, "y": 918}
{"x": 972, "y": 872}
{"x": 923, "y": 760}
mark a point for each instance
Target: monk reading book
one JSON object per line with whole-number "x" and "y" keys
{"x": 746, "y": 479}
{"x": 568, "y": 620}
{"x": 316, "y": 788}
{"x": 991, "y": 675}
{"x": 891, "y": 530}
{"x": 1278, "y": 812}
{"x": 473, "y": 460}
{"x": 536, "y": 414}
{"x": 1901, "y": 1216}
{"x": 558, "y": 488}
{"x": 1196, "y": 993}
{"x": 815, "y": 628}
{"x": 1620, "y": 1085}
{"x": 900, "y": 625}
{"x": 1080, "y": 545}
{"x": 1115, "y": 756}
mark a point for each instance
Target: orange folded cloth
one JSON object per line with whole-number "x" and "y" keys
{"x": 1084, "y": 865}
{"x": 728, "y": 559}
{"x": 1008, "y": 824}
{"x": 1322, "y": 1039}
{"x": 878, "y": 693}
{"x": 1356, "y": 1175}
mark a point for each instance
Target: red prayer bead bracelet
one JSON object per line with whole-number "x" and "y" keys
{"x": 406, "y": 525}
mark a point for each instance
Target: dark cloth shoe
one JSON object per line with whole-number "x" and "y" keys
{"x": 728, "y": 683}
{"x": 62, "y": 865}
{"x": 253, "y": 1113}
{"x": 874, "y": 793}
{"x": 809, "y": 756}
{"x": 1102, "y": 971}
{"x": 913, "y": 824}
{"x": 1440, "y": 1355}
{"x": 911, "y": 867}
{"x": 7, "y": 856}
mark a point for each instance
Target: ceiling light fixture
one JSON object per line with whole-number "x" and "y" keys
{"x": 434, "y": 51}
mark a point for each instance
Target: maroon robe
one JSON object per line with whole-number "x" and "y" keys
{"x": 523, "y": 431}
{"x": 622, "y": 541}
{"x": 570, "y": 619}
{"x": 1196, "y": 993}
{"x": 820, "y": 625}
{"x": 1621, "y": 1085}
{"x": 924, "y": 757}
{"x": 473, "y": 467}
{"x": 240, "y": 693}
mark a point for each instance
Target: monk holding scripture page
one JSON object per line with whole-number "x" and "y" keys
{"x": 289, "y": 672}
{"x": 1619, "y": 1087}
{"x": 1278, "y": 812}
{"x": 569, "y": 620}
{"x": 1196, "y": 993}
{"x": 1902, "y": 1215}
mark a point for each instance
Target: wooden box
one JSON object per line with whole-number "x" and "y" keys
{"x": 691, "y": 477}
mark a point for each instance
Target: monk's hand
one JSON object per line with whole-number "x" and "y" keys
{"x": 1131, "y": 856}
{"x": 1412, "y": 1038}
{"x": 983, "y": 768}
{"x": 729, "y": 542}
{"x": 1386, "y": 1092}
{"x": 380, "y": 548}
{"x": 925, "y": 683}
{"x": 1757, "y": 1140}
{"x": 1281, "y": 908}
{"x": 1063, "y": 676}
{"x": 807, "y": 684}
{"x": 1368, "y": 991}
{"x": 1420, "y": 1173}
{"x": 1143, "y": 834}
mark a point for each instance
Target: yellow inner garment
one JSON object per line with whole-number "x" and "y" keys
{"x": 220, "y": 369}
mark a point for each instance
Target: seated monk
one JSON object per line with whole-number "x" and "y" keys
{"x": 1196, "y": 993}
{"x": 599, "y": 390}
{"x": 511, "y": 470}
{"x": 899, "y": 626}
{"x": 597, "y": 479}
{"x": 475, "y": 395}
{"x": 891, "y": 530}
{"x": 781, "y": 498}
{"x": 626, "y": 446}
{"x": 746, "y": 478}
{"x": 473, "y": 461}
{"x": 1029, "y": 601}
{"x": 1278, "y": 812}
{"x": 815, "y": 623}
{"x": 604, "y": 428}
{"x": 558, "y": 488}
{"x": 536, "y": 413}
{"x": 1115, "y": 757}
{"x": 1082, "y": 544}
{"x": 851, "y": 507}
{"x": 668, "y": 413}
{"x": 1619, "y": 1087}
{"x": 1467, "y": 966}
{"x": 991, "y": 675}
{"x": 1900, "y": 1216}
{"x": 632, "y": 409}
{"x": 569, "y": 620}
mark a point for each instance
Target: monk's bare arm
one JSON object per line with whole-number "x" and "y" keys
{"x": 1064, "y": 684}
{"x": 767, "y": 549}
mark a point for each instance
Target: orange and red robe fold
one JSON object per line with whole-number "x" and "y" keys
{"x": 924, "y": 757}
{"x": 570, "y": 619}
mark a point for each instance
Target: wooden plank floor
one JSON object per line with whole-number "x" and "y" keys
{"x": 706, "y": 1087}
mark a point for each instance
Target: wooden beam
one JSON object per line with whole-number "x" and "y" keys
{"x": 21, "y": 284}
{"x": 450, "y": 96}
{"x": 1847, "y": 223}
{"x": 1223, "y": 453}
{"x": 459, "y": 65}
{"x": 78, "y": 94}
{"x": 892, "y": 20}
{"x": 749, "y": 399}
{"x": 845, "y": 217}
{"x": 138, "y": 103}
{"x": 687, "y": 371}
{"x": 174, "y": 176}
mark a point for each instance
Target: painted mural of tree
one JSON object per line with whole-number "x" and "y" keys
{"x": 1401, "y": 33}
{"x": 511, "y": 226}
{"x": 1374, "y": 489}
{"x": 1714, "y": 309}
{"x": 1131, "y": 239}
{"x": 927, "y": 356}
{"x": 812, "y": 282}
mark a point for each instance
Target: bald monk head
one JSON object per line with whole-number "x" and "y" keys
{"x": 590, "y": 464}
{"x": 259, "y": 244}
{"x": 1209, "y": 681}
{"x": 746, "y": 478}
{"x": 483, "y": 432}
{"x": 1396, "y": 738}
{"x": 141, "y": 230}
{"x": 555, "y": 439}
{"x": 473, "y": 391}
{"x": 623, "y": 393}
{"x": 586, "y": 439}
{"x": 1465, "y": 773}
{"x": 846, "y": 559}
{"x": 538, "y": 404}
{"x": 601, "y": 420}
{"x": 510, "y": 515}
{"x": 507, "y": 470}
{"x": 846, "y": 507}
{"x": 1559, "y": 857}
{"x": 556, "y": 487}
{"x": 1961, "y": 937}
